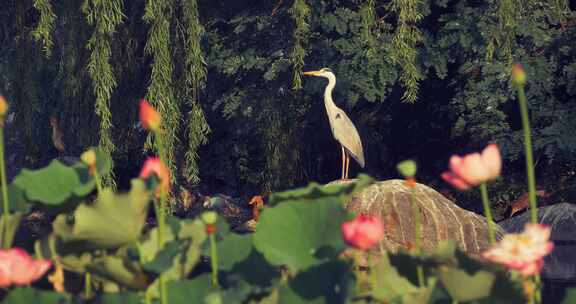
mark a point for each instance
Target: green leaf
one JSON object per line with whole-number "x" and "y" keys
{"x": 324, "y": 283}
{"x": 301, "y": 234}
{"x": 16, "y": 198}
{"x": 463, "y": 286}
{"x": 120, "y": 298}
{"x": 256, "y": 270}
{"x": 232, "y": 249}
{"x": 120, "y": 270}
{"x": 316, "y": 193}
{"x": 234, "y": 289}
{"x": 27, "y": 295}
{"x": 189, "y": 291}
{"x": 103, "y": 161}
{"x": 111, "y": 222}
{"x": 191, "y": 235}
{"x": 55, "y": 187}
{"x": 389, "y": 283}
{"x": 13, "y": 222}
{"x": 570, "y": 296}
{"x": 165, "y": 257}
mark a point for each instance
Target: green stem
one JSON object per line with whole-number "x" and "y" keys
{"x": 529, "y": 172}
{"x": 97, "y": 180}
{"x": 87, "y": 285}
{"x": 487, "y": 213}
{"x": 6, "y": 204}
{"x": 371, "y": 272}
{"x": 416, "y": 216}
{"x": 537, "y": 291}
{"x": 528, "y": 152}
{"x": 161, "y": 219}
{"x": 417, "y": 234}
{"x": 214, "y": 259}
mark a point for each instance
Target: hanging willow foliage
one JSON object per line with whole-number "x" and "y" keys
{"x": 43, "y": 31}
{"x": 197, "y": 126}
{"x": 161, "y": 90}
{"x": 300, "y": 12}
{"x": 105, "y": 16}
{"x": 404, "y": 43}
{"x": 508, "y": 14}
{"x": 368, "y": 15}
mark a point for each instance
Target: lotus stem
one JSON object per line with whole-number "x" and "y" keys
{"x": 528, "y": 151}
{"x": 97, "y": 180}
{"x": 87, "y": 285}
{"x": 161, "y": 219}
{"x": 214, "y": 259}
{"x": 417, "y": 233}
{"x": 529, "y": 171}
{"x": 488, "y": 213}
{"x": 6, "y": 203}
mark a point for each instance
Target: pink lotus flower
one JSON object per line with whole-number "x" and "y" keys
{"x": 363, "y": 232}
{"x": 18, "y": 268}
{"x": 154, "y": 165}
{"x": 149, "y": 117}
{"x": 474, "y": 169}
{"x": 523, "y": 252}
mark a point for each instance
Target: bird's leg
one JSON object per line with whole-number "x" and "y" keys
{"x": 347, "y": 166}
{"x": 343, "y": 162}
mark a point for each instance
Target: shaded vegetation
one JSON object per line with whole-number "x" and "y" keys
{"x": 420, "y": 78}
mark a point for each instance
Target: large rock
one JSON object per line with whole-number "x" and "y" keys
{"x": 560, "y": 264}
{"x": 441, "y": 218}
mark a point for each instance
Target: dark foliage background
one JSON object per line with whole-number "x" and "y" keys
{"x": 421, "y": 79}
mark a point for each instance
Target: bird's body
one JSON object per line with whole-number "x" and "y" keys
{"x": 342, "y": 127}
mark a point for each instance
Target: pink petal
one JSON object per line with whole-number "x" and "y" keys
{"x": 473, "y": 170}
{"x": 349, "y": 230}
{"x": 532, "y": 268}
{"x": 40, "y": 268}
{"x": 363, "y": 232}
{"x": 455, "y": 181}
{"x": 492, "y": 160}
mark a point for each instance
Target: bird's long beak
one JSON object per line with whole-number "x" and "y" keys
{"x": 311, "y": 73}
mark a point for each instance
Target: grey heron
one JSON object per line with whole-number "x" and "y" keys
{"x": 342, "y": 127}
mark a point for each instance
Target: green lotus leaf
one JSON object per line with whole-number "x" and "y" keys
{"x": 17, "y": 200}
{"x": 190, "y": 291}
{"x": 389, "y": 283}
{"x": 301, "y": 234}
{"x": 463, "y": 286}
{"x": 120, "y": 298}
{"x": 325, "y": 283}
{"x": 190, "y": 236}
{"x": 27, "y": 295}
{"x": 232, "y": 249}
{"x": 315, "y": 192}
{"x": 120, "y": 270}
{"x": 111, "y": 222}
{"x": 55, "y": 187}
{"x": 570, "y": 296}
{"x": 7, "y": 236}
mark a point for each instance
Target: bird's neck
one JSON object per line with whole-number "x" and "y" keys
{"x": 328, "y": 92}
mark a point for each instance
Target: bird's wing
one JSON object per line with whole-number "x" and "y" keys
{"x": 345, "y": 132}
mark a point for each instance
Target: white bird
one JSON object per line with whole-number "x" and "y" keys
{"x": 342, "y": 127}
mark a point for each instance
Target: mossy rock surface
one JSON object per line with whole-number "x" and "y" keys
{"x": 441, "y": 218}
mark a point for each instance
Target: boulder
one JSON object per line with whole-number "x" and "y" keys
{"x": 560, "y": 264}
{"x": 441, "y": 219}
